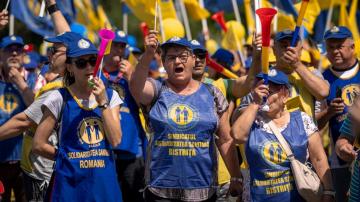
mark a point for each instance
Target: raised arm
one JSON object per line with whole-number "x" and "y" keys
{"x": 243, "y": 85}
{"x": 241, "y": 128}
{"x": 60, "y": 23}
{"x": 317, "y": 86}
{"x": 41, "y": 144}
{"x": 110, "y": 117}
{"x": 141, "y": 89}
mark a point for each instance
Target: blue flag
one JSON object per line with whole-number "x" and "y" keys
{"x": 286, "y": 5}
{"x": 25, "y": 11}
{"x": 220, "y": 5}
{"x": 319, "y": 27}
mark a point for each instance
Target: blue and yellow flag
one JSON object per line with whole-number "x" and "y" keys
{"x": 27, "y": 11}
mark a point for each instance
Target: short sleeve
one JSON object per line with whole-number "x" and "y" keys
{"x": 54, "y": 103}
{"x": 115, "y": 100}
{"x": 221, "y": 102}
{"x": 34, "y": 111}
{"x": 346, "y": 129}
{"x": 309, "y": 124}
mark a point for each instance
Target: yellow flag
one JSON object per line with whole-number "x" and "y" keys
{"x": 104, "y": 21}
{"x": 312, "y": 12}
{"x": 167, "y": 9}
{"x": 195, "y": 11}
{"x": 350, "y": 22}
{"x": 250, "y": 23}
{"x": 285, "y": 21}
{"x": 325, "y": 4}
{"x": 234, "y": 36}
{"x": 144, "y": 10}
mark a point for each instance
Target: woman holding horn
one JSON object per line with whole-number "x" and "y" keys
{"x": 184, "y": 115}
{"x": 88, "y": 121}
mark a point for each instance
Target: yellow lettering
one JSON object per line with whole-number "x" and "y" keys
{"x": 182, "y": 152}
{"x": 92, "y": 164}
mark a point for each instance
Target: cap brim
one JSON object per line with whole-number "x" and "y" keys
{"x": 119, "y": 41}
{"x": 53, "y": 40}
{"x": 12, "y": 43}
{"x": 175, "y": 43}
{"x": 81, "y": 53}
{"x": 337, "y": 37}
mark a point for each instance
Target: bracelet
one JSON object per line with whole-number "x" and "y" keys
{"x": 52, "y": 9}
{"x": 236, "y": 179}
{"x": 329, "y": 192}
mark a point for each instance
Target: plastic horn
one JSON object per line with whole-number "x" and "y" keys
{"x": 266, "y": 15}
{"x": 219, "y": 18}
{"x": 299, "y": 20}
{"x": 144, "y": 29}
{"x": 219, "y": 68}
{"x": 106, "y": 35}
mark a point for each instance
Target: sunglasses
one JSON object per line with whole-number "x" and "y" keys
{"x": 10, "y": 49}
{"x": 54, "y": 50}
{"x": 82, "y": 63}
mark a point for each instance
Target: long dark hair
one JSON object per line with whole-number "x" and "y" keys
{"x": 68, "y": 78}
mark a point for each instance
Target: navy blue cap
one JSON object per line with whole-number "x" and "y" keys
{"x": 80, "y": 46}
{"x": 31, "y": 60}
{"x": 64, "y": 38}
{"x": 120, "y": 37}
{"x": 195, "y": 45}
{"x": 10, "y": 40}
{"x": 224, "y": 56}
{"x": 177, "y": 41}
{"x": 286, "y": 34}
{"x": 339, "y": 32}
{"x": 276, "y": 77}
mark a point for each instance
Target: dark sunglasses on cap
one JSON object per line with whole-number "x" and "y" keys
{"x": 82, "y": 63}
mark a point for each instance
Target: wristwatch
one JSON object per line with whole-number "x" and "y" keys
{"x": 104, "y": 106}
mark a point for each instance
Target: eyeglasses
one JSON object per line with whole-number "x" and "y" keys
{"x": 182, "y": 57}
{"x": 338, "y": 47}
{"x": 54, "y": 50}
{"x": 14, "y": 48}
{"x": 82, "y": 63}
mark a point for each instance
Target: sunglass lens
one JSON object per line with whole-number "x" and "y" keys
{"x": 81, "y": 63}
{"x": 92, "y": 61}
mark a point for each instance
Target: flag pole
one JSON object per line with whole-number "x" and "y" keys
{"x": 257, "y": 20}
{"x": 7, "y": 5}
{"x": 238, "y": 19}
{"x": 329, "y": 16}
{"x": 125, "y": 23}
{"x": 162, "y": 31}
{"x": 205, "y": 28}
{"x": 236, "y": 10}
{"x": 11, "y": 25}
{"x": 186, "y": 20}
{"x": 42, "y": 9}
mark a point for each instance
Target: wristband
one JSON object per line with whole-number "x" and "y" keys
{"x": 236, "y": 179}
{"x": 329, "y": 192}
{"x": 52, "y": 9}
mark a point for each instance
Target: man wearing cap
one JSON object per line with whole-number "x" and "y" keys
{"x": 177, "y": 109}
{"x": 307, "y": 83}
{"x": 15, "y": 95}
{"x": 129, "y": 154}
{"x": 37, "y": 170}
{"x": 344, "y": 79}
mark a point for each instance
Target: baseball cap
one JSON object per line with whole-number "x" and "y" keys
{"x": 195, "y": 45}
{"x": 224, "y": 56}
{"x": 80, "y": 46}
{"x": 286, "y": 34}
{"x": 64, "y": 37}
{"x": 10, "y": 40}
{"x": 120, "y": 37}
{"x": 177, "y": 41}
{"x": 338, "y": 32}
{"x": 276, "y": 77}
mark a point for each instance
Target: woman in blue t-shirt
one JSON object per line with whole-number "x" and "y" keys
{"x": 271, "y": 177}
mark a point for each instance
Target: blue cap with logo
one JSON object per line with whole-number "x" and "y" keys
{"x": 338, "y": 32}
{"x": 10, "y": 40}
{"x": 224, "y": 56}
{"x": 285, "y": 34}
{"x": 80, "y": 46}
{"x": 276, "y": 77}
{"x": 120, "y": 37}
{"x": 195, "y": 45}
{"x": 63, "y": 38}
{"x": 177, "y": 41}
{"x": 31, "y": 60}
